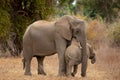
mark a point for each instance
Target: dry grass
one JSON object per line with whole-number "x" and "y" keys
{"x": 106, "y": 68}
{"x": 109, "y": 61}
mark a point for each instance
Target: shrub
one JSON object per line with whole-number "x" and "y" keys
{"x": 95, "y": 32}
{"x": 4, "y": 24}
{"x": 113, "y": 33}
{"x": 20, "y": 24}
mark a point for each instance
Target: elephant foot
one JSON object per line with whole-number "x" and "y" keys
{"x": 83, "y": 74}
{"x": 69, "y": 75}
{"x": 42, "y": 73}
{"x": 73, "y": 75}
{"x": 61, "y": 74}
{"x": 27, "y": 73}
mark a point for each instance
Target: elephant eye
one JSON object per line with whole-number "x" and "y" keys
{"x": 77, "y": 32}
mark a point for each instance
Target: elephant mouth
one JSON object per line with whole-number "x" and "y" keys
{"x": 91, "y": 57}
{"x": 93, "y": 60}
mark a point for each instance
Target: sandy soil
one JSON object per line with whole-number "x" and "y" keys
{"x": 12, "y": 69}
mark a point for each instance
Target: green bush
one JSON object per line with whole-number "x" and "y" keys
{"x": 4, "y": 24}
{"x": 20, "y": 24}
{"x": 113, "y": 33}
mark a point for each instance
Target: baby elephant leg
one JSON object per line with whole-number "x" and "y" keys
{"x": 74, "y": 70}
{"x": 69, "y": 69}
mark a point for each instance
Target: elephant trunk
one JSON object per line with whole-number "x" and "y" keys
{"x": 84, "y": 56}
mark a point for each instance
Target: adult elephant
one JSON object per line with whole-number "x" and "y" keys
{"x": 44, "y": 38}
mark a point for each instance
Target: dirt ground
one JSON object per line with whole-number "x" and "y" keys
{"x": 12, "y": 69}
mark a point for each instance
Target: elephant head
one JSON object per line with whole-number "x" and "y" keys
{"x": 70, "y": 27}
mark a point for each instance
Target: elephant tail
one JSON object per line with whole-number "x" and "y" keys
{"x": 23, "y": 60}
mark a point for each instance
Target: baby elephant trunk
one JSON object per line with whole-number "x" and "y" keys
{"x": 23, "y": 60}
{"x": 91, "y": 53}
{"x": 93, "y": 60}
{"x": 92, "y": 57}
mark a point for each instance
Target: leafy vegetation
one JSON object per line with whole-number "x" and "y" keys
{"x": 113, "y": 33}
{"x": 95, "y": 32}
{"x": 107, "y": 9}
{"x": 4, "y": 24}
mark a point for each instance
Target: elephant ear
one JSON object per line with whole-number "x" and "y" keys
{"x": 63, "y": 27}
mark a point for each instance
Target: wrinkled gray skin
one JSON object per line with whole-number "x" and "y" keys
{"x": 43, "y": 38}
{"x": 73, "y": 56}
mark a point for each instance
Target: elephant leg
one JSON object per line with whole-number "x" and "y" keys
{"x": 40, "y": 65}
{"x": 27, "y": 59}
{"x": 69, "y": 69}
{"x": 61, "y": 47}
{"x": 27, "y": 66}
{"x": 75, "y": 70}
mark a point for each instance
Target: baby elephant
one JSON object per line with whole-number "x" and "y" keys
{"x": 73, "y": 56}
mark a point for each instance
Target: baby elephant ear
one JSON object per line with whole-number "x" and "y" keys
{"x": 63, "y": 27}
